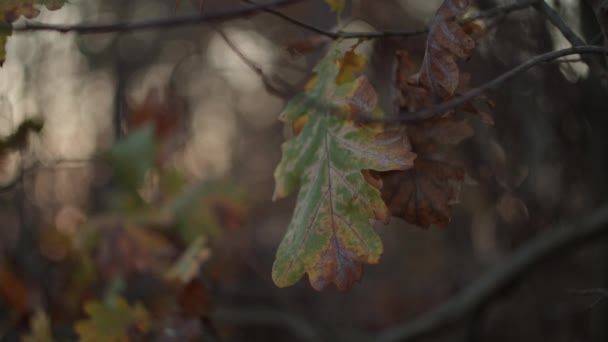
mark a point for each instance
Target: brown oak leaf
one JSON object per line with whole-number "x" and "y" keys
{"x": 446, "y": 43}
{"x": 423, "y": 195}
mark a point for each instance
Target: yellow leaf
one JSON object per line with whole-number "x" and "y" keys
{"x": 40, "y": 327}
{"x": 112, "y": 321}
{"x": 336, "y": 5}
{"x": 350, "y": 64}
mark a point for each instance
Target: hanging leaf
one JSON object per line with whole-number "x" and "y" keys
{"x": 446, "y": 42}
{"x": 112, "y": 321}
{"x": 330, "y": 236}
{"x": 423, "y": 195}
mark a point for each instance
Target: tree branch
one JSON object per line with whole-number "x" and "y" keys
{"x": 284, "y": 91}
{"x": 150, "y": 24}
{"x": 558, "y": 22}
{"x": 493, "y": 84}
{"x": 494, "y": 12}
{"x": 562, "y": 238}
{"x": 252, "y": 8}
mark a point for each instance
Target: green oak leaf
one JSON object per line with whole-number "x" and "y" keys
{"x": 331, "y": 233}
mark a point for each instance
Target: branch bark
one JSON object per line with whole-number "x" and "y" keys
{"x": 495, "y": 83}
{"x": 250, "y": 9}
{"x": 228, "y": 14}
{"x": 561, "y": 239}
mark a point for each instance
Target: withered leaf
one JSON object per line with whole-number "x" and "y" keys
{"x": 423, "y": 195}
{"x": 446, "y": 42}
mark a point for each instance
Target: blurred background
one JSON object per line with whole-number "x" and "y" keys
{"x": 221, "y": 87}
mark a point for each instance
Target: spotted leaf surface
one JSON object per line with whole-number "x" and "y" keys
{"x": 331, "y": 235}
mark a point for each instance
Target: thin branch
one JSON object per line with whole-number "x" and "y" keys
{"x": 286, "y": 90}
{"x": 560, "y": 239}
{"x": 494, "y": 12}
{"x": 252, "y": 8}
{"x": 493, "y": 84}
{"x": 558, "y": 22}
{"x": 150, "y": 24}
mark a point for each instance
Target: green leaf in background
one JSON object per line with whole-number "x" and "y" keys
{"x": 11, "y": 10}
{"x": 206, "y": 208}
{"x": 189, "y": 263}
{"x": 336, "y": 5}
{"x": 40, "y": 328}
{"x": 331, "y": 235}
{"x": 132, "y": 157}
{"x": 112, "y": 321}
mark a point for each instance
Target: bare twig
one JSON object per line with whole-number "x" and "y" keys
{"x": 558, "y": 22}
{"x": 284, "y": 91}
{"x": 150, "y": 24}
{"x": 494, "y": 12}
{"x": 560, "y": 239}
{"x": 495, "y": 83}
{"x": 253, "y": 8}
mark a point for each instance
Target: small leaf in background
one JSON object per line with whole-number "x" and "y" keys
{"x": 113, "y": 321}
{"x": 40, "y": 328}
{"x": 162, "y": 110}
{"x": 189, "y": 263}
{"x": 11, "y": 10}
{"x": 122, "y": 250}
{"x": 53, "y": 244}
{"x": 425, "y": 194}
{"x": 207, "y": 208}
{"x": 194, "y": 299}
{"x": 330, "y": 236}
{"x": 512, "y": 209}
{"x": 14, "y": 291}
{"x": 133, "y": 157}
{"x": 336, "y": 5}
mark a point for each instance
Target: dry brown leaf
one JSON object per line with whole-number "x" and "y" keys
{"x": 441, "y": 130}
{"x": 425, "y": 194}
{"x": 446, "y": 43}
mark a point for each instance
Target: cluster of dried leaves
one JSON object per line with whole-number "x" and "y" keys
{"x": 351, "y": 172}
